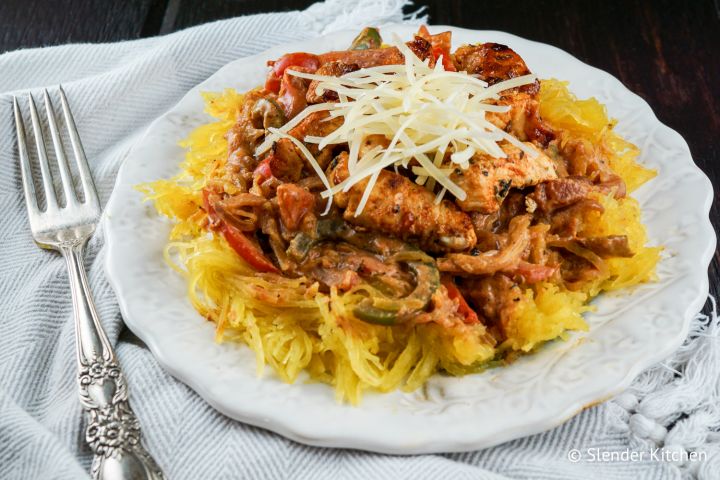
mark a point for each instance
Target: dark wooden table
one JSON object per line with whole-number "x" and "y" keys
{"x": 667, "y": 51}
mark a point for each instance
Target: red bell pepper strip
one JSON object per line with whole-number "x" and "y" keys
{"x": 441, "y": 44}
{"x": 264, "y": 170}
{"x": 299, "y": 59}
{"x": 247, "y": 250}
{"x": 469, "y": 315}
{"x": 292, "y": 93}
{"x": 243, "y": 246}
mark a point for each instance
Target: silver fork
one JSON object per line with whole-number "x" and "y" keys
{"x": 113, "y": 431}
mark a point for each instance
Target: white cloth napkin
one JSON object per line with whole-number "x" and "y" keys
{"x": 116, "y": 90}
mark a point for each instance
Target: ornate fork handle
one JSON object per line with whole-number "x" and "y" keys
{"x": 113, "y": 431}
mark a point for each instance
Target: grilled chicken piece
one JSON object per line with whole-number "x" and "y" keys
{"x": 559, "y": 193}
{"x": 287, "y": 161}
{"x": 488, "y": 180}
{"x": 585, "y": 160}
{"x": 317, "y": 125}
{"x": 398, "y": 207}
{"x": 422, "y": 48}
{"x": 371, "y": 57}
{"x": 331, "y": 69}
{"x": 494, "y": 63}
{"x": 523, "y": 119}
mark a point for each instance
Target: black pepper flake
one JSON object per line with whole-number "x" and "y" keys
{"x": 501, "y": 190}
{"x": 474, "y": 252}
{"x": 458, "y": 172}
{"x": 396, "y": 208}
{"x": 485, "y": 172}
{"x": 516, "y": 299}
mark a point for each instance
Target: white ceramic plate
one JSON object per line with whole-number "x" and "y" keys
{"x": 629, "y": 331}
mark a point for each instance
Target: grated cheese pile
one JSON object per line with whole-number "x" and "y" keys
{"x": 425, "y": 113}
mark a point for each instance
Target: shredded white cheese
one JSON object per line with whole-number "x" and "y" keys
{"x": 423, "y": 112}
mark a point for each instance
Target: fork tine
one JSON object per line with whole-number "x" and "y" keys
{"x": 66, "y": 179}
{"x": 83, "y": 168}
{"x": 25, "y": 172}
{"x": 50, "y": 197}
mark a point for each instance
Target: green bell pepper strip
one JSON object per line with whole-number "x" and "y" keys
{"x": 325, "y": 229}
{"x": 300, "y": 246}
{"x": 427, "y": 281}
{"x": 366, "y": 312}
{"x": 367, "y": 39}
{"x": 387, "y": 311}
